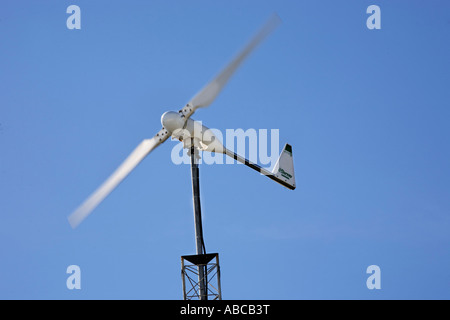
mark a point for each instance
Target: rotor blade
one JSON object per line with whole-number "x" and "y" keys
{"x": 141, "y": 151}
{"x": 207, "y": 95}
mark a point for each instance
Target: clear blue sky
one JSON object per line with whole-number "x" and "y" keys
{"x": 366, "y": 111}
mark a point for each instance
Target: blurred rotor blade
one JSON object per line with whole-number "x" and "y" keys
{"x": 207, "y": 95}
{"x": 141, "y": 151}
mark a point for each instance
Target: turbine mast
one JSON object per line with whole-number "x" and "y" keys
{"x": 200, "y": 244}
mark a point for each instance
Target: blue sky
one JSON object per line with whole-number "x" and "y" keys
{"x": 366, "y": 112}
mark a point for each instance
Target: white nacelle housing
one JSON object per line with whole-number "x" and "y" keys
{"x": 204, "y": 138}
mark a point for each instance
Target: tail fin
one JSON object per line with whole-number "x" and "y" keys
{"x": 284, "y": 168}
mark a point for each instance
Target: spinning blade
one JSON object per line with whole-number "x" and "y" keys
{"x": 209, "y": 92}
{"x": 141, "y": 151}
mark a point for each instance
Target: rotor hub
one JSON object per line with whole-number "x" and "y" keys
{"x": 172, "y": 121}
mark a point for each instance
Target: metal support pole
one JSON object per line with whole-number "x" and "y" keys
{"x": 198, "y": 219}
{"x": 219, "y": 288}
{"x": 183, "y": 278}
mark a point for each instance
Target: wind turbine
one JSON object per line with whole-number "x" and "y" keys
{"x": 194, "y": 136}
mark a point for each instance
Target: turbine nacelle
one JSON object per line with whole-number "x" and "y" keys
{"x": 189, "y": 130}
